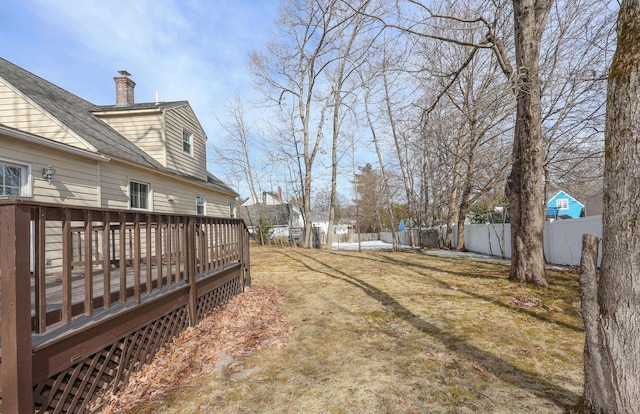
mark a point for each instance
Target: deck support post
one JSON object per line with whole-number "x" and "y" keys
{"x": 16, "y": 374}
{"x": 190, "y": 268}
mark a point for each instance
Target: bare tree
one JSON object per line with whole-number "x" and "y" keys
{"x": 611, "y": 306}
{"x": 384, "y": 176}
{"x": 485, "y": 111}
{"x": 350, "y": 55}
{"x": 295, "y": 68}
{"x": 525, "y": 180}
{"x": 576, "y": 51}
{"x": 239, "y": 145}
{"x": 395, "y": 115}
{"x": 370, "y": 202}
{"x": 524, "y": 185}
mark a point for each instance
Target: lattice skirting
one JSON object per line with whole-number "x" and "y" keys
{"x": 78, "y": 388}
{"x": 216, "y": 297}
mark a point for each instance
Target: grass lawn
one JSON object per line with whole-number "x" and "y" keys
{"x": 384, "y": 332}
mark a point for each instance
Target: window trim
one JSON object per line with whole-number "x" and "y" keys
{"x": 186, "y": 133}
{"x": 204, "y": 205}
{"x": 26, "y": 184}
{"x": 149, "y": 195}
{"x": 560, "y": 202}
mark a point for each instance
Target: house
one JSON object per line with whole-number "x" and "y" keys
{"x": 59, "y": 148}
{"x": 264, "y": 198}
{"x": 320, "y": 226}
{"x": 562, "y": 205}
{"x": 284, "y": 219}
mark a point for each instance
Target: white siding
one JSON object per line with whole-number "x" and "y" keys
{"x": 143, "y": 129}
{"x": 177, "y": 120}
{"x": 168, "y": 195}
{"x": 19, "y": 113}
{"x": 75, "y": 181}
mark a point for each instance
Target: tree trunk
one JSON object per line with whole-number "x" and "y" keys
{"x": 612, "y": 325}
{"x": 306, "y": 208}
{"x": 463, "y": 209}
{"x": 452, "y": 208}
{"x": 334, "y": 168}
{"x": 383, "y": 173}
{"x": 524, "y": 186}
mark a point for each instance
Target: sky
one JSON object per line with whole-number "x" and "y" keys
{"x": 195, "y": 50}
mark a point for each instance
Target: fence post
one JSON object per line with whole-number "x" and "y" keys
{"x": 16, "y": 374}
{"x": 190, "y": 268}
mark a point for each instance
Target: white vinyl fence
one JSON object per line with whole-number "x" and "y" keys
{"x": 562, "y": 239}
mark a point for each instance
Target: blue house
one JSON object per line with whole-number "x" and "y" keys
{"x": 563, "y": 206}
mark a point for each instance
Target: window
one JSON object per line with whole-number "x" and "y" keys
{"x": 187, "y": 141}
{"x": 562, "y": 203}
{"x": 200, "y": 205}
{"x": 232, "y": 210}
{"x": 138, "y": 195}
{"x": 14, "y": 179}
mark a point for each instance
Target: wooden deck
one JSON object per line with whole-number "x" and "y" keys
{"x": 69, "y": 332}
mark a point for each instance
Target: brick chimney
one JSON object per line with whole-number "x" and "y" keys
{"x": 124, "y": 89}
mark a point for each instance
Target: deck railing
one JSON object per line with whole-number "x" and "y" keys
{"x": 89, "y": 294}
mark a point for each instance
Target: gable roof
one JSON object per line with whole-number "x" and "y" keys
{"x": 564, "y": 194}
{"x": 219, "y": 184}
{"x": 148, "y": 106}
{"x": 76, "y": 114}
{"x": 276, "y": 214}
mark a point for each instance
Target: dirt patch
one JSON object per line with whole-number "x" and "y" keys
{"x": 391, "y": 332}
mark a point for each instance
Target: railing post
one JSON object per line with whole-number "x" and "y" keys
{"x": 246, "y": 257}
{"x": 190, "y": 269}
{"x": 16, "y": 373}
{"x": 242, "y": 256}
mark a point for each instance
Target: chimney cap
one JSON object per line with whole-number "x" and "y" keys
{"x": 124, "y": 73}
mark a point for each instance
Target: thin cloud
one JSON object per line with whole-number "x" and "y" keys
{"x": 193, "y": 50}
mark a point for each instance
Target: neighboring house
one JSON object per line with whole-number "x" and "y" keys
{"x": 139, "y": 156}
{"x": 265, "y": 198}
{"x": 562, "y": 205}
{"x": 320, "y": 224}
{"x": 284, "y": 219}
{"x": 593, "y": 205}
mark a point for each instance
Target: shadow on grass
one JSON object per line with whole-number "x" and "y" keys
{"x": 431, "y": 268}
{"x": 558, "y": 395}
{"x": 383, "y": 259}
{"x": 524, "y": 311}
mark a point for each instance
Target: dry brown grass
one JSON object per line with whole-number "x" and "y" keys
{"x": 383, "y": 332}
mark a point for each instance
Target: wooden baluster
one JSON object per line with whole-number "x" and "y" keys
{"x": 137, "y": 256}
{"x": 123, "y": 257}
{"x": 169, "y": 252}
{"x": 202, "y": 251}
{"x": 180, "y": 238}
{"x": 216, "y": 244}
{"x": 40, "y": 276}
{"x": 148, "y": 251}
{"x": 88, "y": 264}
{"x": 211, "y": 244}
{"x": 106, "y": 259}
{"x": 159, "y": 250}
{"x": 67, "y": 257}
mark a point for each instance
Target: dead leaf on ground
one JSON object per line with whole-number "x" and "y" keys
{"x": 524, "y": 302}
{"x": 248, "y": 322}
